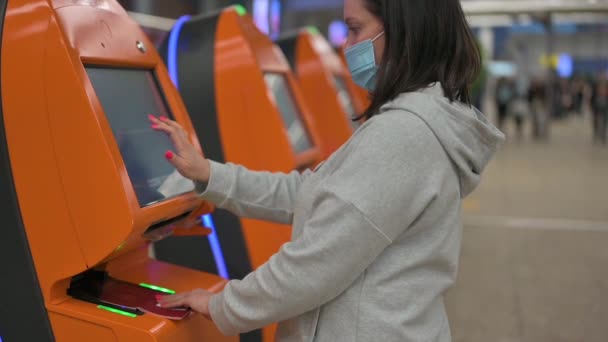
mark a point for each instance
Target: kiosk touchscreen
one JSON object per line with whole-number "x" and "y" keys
{"x": 282, "y": 95}
{"x": 85, "y": 181}
{"x": 347, "y": 100}
{"x": 127, "y": 95}
{"x": 322, "y": 76}
{"x": 246, "y": 108}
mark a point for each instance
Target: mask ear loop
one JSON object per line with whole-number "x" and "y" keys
{"x": 373, "y": 40}
{"x": 378, "y": 36}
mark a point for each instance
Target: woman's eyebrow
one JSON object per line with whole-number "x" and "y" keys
{"x": 350, "y": 21}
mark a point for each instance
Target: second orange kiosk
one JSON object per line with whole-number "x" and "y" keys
{"x": 327, "y": 85}
{"x": 246, "y": 108}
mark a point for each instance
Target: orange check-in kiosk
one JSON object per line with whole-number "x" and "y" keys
{"x": 246, "y": 108}
{"x": 85, "y": 187}
{"x": 327, "y": 85}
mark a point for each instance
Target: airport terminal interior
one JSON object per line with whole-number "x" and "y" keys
{"x": 96, "y": 223}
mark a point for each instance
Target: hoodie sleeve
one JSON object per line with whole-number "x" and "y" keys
{"x": 306, "y": 273}
{"x": 381, "y": 188}
{"x": 257, "y": 195}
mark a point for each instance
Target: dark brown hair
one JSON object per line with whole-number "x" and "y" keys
{"x": 427, "y": 41}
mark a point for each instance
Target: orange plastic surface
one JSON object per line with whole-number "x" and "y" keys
{"x": 251, "y": 127}
{"x": 317, "y": 65}
{"x": 77, "y": 203}
{"x": 247, "y": 112}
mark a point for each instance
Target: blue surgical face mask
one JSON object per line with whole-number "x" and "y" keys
{"x": 361, "y": 61}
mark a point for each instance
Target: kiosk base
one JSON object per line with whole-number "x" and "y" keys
{"x": 97, "y": 287}
{"x": 96, "y": 316}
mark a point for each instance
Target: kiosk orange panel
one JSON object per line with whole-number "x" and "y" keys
{"x": 263, "y": 143}
{"x": 241, "y": 69}
{"x": 78, "y": 81}
{"x": 323, "y": 78}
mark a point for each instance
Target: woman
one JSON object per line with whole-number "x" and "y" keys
{"x": 599, "y": 106}
{"x": 537, "y": 101}
{"x": 505, "y": 93}
{"x": 377, "y": 227}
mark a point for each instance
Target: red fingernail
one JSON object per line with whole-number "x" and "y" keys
{"x": 151, "y": 117}
{"x": 169, "y": 155}
{"x": 158, "y": 298}
{"x": 155, "y": 126}
{"x": 164, "y": 118}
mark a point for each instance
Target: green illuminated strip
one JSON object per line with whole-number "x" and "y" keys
{"x": 240, "y": 10}
{"x": 313, "y": 30}
{"x": 157, "y": 288}
{"x": 116, "y": 311}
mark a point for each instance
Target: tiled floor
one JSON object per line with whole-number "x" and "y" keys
{"x": 534, "y": 263}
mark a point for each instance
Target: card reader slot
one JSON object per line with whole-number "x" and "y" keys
{"x": 164, "y": 228}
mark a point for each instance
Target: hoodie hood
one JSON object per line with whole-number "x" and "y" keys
{"x": 467, "y": 136}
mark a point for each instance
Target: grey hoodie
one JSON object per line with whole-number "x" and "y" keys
{"x": 376, "y": 228}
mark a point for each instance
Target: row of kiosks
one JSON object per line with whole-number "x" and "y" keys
{"x": 85, "y": 188}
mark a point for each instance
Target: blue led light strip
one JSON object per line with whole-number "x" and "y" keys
{"x": 173, "y": 47}
{"x": 172, "y": 64}
{"x": 216, "y": 248}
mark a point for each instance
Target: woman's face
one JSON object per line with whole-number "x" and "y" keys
{"x": 363, "y": 25}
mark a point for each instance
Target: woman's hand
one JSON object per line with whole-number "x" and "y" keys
{"x": 197, "y": 300}
{"x": 186, "y": 159}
